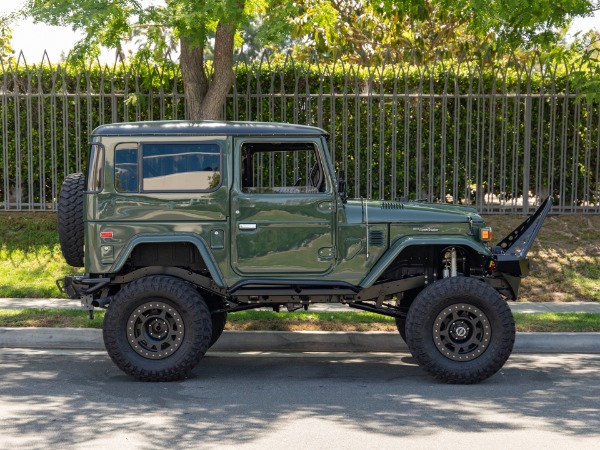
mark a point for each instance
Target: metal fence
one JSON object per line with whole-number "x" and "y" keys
{"x": 500, "y": 138}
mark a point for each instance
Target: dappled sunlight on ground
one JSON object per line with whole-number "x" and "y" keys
{"x": 240, "y": 400}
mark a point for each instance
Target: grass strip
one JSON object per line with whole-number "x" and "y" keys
{"x": 298, "y": 321}
{"x": 51, "y": 318}
{"x": 558, "y": 322}
{"x": 565, "y": 257}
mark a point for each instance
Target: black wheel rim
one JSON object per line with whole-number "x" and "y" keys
{"x": 462, "y": 332}
{"x": 155, "y": 330}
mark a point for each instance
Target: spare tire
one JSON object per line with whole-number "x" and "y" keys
{"x": 70, "y": 219}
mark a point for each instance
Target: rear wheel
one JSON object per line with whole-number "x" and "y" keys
{"x": 219, "y": 320}
{"x": 460, "y": 330}
{"x": 70, "y": 219}
{"x": 157, "y": 328}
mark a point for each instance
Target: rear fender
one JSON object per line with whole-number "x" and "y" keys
{"x": 195, "y": 240}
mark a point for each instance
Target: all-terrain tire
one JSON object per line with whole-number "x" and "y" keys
{"x": 157, "y": 328}
{"x": 460, "y": 330}
{"x": 70, "y": 219}
{"x": 218, "y": 325}
{"x": 219, "y": 320}
{"x": 401, "y": 326}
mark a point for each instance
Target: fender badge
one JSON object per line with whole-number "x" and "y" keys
{"x": 427, "y": 229}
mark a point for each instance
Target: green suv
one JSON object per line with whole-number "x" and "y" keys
{"x": 180, "y": 223}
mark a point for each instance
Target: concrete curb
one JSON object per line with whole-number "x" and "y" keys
{"x": 297, "y": 341}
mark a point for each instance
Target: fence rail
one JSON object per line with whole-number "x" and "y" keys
{"x": 500, "y": 139}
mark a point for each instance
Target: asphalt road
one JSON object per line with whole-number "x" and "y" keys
{"x": 71, "y": 399}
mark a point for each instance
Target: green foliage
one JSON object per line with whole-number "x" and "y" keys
{"x": 586, "y": 75}
{"x": 30, "y": 256}
{"x": 6, "y": 50}
{"x": 390, "y": 123}
{"x": 425, "y": 30}
{"x": 63, "y": 318}
{"x": 310, "y": 316}
{"x": 327, "y": 321}
{"x": 198, "y": 26}
{"x": 565, "y": 257}
{"x": 558, "y": 322}
{"x": 395, "y": 130}
{"x": 157, "y": 28}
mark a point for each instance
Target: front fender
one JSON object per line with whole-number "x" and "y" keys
{"x": 409, "y": 241}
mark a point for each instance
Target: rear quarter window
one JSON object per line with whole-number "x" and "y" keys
{"x": 181, "y": 167}
{"x": 166, "y": 167}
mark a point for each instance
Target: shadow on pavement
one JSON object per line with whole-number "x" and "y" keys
{"x": 79, "y": 399}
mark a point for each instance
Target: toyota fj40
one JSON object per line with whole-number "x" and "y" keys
{"x": 180, "y": 223}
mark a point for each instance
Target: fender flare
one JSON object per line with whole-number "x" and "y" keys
{"x": 405, "y": 242}
{"x": 193, "y": 239}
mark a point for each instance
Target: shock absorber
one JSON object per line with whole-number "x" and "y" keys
{"x": 450, "y": 263}
{"x": 453, "y": 271}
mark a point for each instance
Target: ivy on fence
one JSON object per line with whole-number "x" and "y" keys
{"x": 496, "y": 137}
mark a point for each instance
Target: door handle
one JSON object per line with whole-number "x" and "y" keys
{"x": 247, "y": 226}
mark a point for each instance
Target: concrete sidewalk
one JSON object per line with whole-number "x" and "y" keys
{"x": 520, "y": 307}
{"x": 306, "y": 341}
{"x": 292, "y": 342}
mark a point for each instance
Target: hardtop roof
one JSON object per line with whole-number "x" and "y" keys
{"x": 206, "y": 128}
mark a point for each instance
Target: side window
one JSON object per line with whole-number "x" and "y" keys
{"x": 281, "y": 168}
{"x": 181, "y": 167}
{"x": 95, "y": 168}
{"x": 126, "y": 168}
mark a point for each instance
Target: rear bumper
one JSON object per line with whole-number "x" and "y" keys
{"x": 79, "y": 286}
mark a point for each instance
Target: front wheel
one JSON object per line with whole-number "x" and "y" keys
{"x": 157, "y": 328}
{"x": 401, "y": 326}
{"x": 460, "y": 330}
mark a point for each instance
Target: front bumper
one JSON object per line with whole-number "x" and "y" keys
{"x": 510, "y": 255}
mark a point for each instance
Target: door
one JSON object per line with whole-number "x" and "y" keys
{"x": 283, "y": 209}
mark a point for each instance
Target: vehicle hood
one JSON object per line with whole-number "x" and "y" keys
{"x": 359, "y": 211}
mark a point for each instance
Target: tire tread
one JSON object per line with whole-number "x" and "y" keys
{"x": 189, "y": 301}
{"x": 70, "y": 219}
{"x": 428, "y": 304}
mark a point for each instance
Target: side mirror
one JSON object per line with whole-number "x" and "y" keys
{"x": 342, "y": 187}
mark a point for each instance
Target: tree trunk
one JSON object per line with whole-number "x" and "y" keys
{"x": 212, "y": 107}
{"x": 195, "y": 83}
{"x": 205, "y": 99}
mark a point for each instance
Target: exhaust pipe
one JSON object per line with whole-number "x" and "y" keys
{"x": 102, "y": 302}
